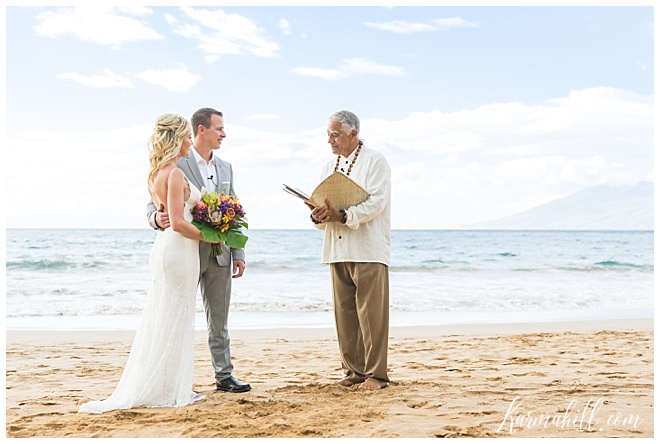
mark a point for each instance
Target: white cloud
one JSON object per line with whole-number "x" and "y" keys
{"x": 348, "y": 68}
{"x": 454, "y": 22}
{"x": 403, "y": 27}
{"x": 102, "y": 25}
{"x": 498, "y": 159}
{"x": 452, "y": 168}
{"x": 177, "y": 80}
{"x": 115, "y": 187}
{"x": 219, "y": 33}
{"x": 585, "y": 122}
{"x": 135, "y": 10}
{"x": 106, "y": 80}
{"x": 364, "y": 66}
{"x": 285, "y": 27}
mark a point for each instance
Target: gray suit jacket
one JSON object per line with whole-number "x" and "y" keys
{"x": 225, "y": 181}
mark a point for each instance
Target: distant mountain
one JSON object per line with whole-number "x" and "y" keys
{"x": 597, "y": 208}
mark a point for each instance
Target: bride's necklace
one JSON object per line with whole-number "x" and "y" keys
{"x": 350, "y": 167}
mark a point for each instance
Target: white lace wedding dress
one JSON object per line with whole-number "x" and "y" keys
{"x": 159, "y": 369}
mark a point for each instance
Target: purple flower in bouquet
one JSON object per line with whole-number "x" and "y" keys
{"x": 220, "y": 218}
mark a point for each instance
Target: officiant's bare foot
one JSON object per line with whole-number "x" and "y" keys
{"x": 372, "y": 384}
{"x": 346, "y": 382}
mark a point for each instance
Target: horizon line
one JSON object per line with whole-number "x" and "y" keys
{"x": 314, "y": 229}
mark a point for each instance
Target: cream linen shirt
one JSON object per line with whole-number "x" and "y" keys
{"x": 366, "y": 235}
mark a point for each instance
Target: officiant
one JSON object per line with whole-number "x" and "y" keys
{"x": 357, "y": 249}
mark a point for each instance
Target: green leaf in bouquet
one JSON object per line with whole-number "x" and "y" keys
{"x": 209, "y": 234}
{"x": 236, "y": 239}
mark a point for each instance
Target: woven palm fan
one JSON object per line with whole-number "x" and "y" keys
{"x": 342, "y": 191}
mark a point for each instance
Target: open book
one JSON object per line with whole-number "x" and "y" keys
{"x": 342, "y": 191}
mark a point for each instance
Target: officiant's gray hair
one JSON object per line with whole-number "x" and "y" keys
{"x": 347, "y": 119}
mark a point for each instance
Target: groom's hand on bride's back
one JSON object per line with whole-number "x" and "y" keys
{"x": 162, "y": 218}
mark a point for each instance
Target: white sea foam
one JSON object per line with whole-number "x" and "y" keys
{"x": 65, "y": 279}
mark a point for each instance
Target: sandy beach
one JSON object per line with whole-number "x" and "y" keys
{"x": 579, "y": 379}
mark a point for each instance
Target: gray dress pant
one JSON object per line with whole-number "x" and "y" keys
{"x": 215, "y": 285}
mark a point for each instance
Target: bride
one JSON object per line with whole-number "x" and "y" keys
{"x": 159, "y": 369}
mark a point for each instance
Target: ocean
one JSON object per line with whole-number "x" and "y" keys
{"x": 96, "y": 279}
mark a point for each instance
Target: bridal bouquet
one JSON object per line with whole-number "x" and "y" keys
{"x": 220, "y": 218}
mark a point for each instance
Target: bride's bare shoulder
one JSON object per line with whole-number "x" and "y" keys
{"x": 164, "y": 172}
{"x": 176, "y": 173}
{"x": 161, "y": 179}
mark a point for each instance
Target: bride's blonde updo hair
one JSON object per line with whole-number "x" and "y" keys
{"x": 165, "y": 143}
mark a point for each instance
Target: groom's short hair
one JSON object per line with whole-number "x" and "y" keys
{"x": 203, "y": 117}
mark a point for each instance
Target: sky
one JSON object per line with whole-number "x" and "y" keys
{"x": 481, "y": 111}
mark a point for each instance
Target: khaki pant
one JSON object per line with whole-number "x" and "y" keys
{"x": 361, "y": 297}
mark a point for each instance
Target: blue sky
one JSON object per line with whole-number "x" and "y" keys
{"x": 481, "y": 111}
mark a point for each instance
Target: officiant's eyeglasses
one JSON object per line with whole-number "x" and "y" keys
{"x": 335, "y": 134}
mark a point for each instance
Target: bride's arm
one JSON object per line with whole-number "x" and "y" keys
{"x": 175, "y": 196}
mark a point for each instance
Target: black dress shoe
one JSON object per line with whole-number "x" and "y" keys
{"x": 232, "y": 385}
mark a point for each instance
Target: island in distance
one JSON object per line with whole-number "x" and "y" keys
{"x": 596, "y": 208}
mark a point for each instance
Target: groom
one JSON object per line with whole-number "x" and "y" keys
{"x": 203, "y": 168}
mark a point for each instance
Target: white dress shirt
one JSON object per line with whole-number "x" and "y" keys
{"x": 366, "y": 235}
{"x": 206, "y": 169}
